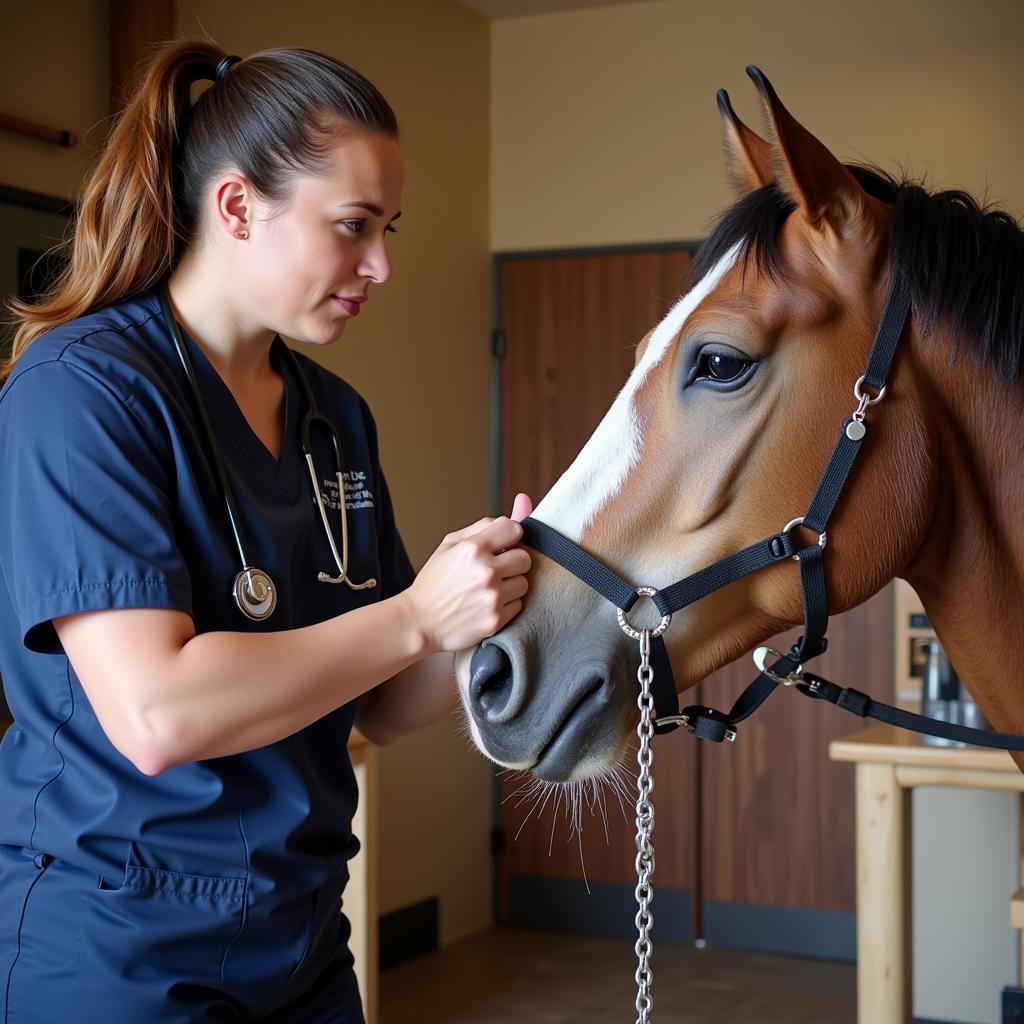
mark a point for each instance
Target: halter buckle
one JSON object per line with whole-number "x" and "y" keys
{"x": 760, "y": 657}
{"x": 704, "y": 723}
{"x": 636, "y": 634}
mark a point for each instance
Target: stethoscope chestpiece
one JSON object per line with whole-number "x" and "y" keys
{"x": 255, "y": 594}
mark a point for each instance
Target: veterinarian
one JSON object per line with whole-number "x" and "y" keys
{"x": 203, "y": 585}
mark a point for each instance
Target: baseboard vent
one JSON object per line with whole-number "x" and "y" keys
{"x": 408, "y": 932}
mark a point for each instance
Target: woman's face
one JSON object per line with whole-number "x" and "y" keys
{"x": 309, "y": 265}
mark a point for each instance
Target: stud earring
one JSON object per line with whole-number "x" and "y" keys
{"x": 241, "y": 234}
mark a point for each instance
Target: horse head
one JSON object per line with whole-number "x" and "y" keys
{"x": 719, "y": 438}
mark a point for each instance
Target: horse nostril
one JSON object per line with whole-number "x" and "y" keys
{"x": 490, "y": 681}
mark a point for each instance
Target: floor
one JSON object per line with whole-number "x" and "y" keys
{"x": 532, "y": 977}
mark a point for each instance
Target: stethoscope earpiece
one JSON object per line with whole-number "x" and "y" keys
{"x": 255, "y": 594}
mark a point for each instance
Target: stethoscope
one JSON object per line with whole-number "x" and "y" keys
{"x": 253, "y": 589}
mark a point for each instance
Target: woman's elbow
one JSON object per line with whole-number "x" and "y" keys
{"x": 149, "y": 745}
{"x": 375, "y": 733}
{"x": 373, "y": 725}
{"x": 151, "y": 762}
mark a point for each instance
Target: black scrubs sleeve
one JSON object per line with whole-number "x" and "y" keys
{"x": 85, "y": 512}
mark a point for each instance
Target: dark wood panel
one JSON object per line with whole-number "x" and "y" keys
{"x": 135, "y": 25}
{"x": 571, "y": 327}
{"x": 777, "y": 823}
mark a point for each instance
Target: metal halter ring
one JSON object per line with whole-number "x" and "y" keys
{"x": 635, "y": 633}
{"x": 866, "y": 400}
{"x": 760, "y": 657}
{"x": 822, "y": 537}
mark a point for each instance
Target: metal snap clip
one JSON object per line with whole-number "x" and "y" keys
{"x": 855, "y": 429}
{"x": 760, "y": 657}
{"x": 866, "y": 400}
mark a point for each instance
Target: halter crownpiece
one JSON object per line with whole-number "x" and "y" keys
{"x": 224, "y": 66}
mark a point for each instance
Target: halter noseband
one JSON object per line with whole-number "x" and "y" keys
{"x": 707, "y": 723}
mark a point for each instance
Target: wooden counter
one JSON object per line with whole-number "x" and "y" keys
{"x": 890, "y": 762}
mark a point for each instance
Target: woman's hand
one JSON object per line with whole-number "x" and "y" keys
{"x": 474, "y": 583}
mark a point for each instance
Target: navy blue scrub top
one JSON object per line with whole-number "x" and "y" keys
{"x": 110, "y": 500}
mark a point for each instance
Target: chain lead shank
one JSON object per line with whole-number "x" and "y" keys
{"x": 644, "y": 832}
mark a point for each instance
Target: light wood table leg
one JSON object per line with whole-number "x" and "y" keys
{"x": 1020, "y": 935}
{"x": 360, "y": 900}
{"x": 883, "y": 897}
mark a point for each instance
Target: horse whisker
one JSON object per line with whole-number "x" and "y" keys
{"x": 528, "y": 783}
{"x": 526, "y": 819}
{"x": 583, "y": 867}
{"x": 554, "y": 819}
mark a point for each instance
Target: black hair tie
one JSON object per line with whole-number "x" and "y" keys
{"x": 223, "y": 66}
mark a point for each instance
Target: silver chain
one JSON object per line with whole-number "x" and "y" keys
{"x": 644, "y": 833}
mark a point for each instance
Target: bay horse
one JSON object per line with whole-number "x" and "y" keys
{"x": 722, "y": 430}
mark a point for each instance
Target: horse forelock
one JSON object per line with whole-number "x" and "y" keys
{"x": 961, "y": 261}
{"x": 604, "y": 464}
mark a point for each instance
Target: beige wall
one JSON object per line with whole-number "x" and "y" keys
{"x": 605, "y": 128}
{"x": 419, "y": 353}
{"x": 35, "y": 42}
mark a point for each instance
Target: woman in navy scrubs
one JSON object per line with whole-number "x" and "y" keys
{"x": 177, "y": 797}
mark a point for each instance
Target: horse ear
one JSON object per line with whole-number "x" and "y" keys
{"x": 748, "y": 156}
{"x": 823, "y": 189}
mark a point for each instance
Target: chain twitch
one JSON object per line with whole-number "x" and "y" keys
{"x": 644, "y": 831}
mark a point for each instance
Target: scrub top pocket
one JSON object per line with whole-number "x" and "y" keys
{"x": 161, "y": 925}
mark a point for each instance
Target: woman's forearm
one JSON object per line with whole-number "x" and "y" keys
{"x": 416, "y": 697}
{"x": 165, "y": 695}
{"x": 228, "y": 692}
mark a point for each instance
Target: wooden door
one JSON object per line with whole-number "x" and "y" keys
{"x": 571, "y": 325}
{"x": 754, "y": 839}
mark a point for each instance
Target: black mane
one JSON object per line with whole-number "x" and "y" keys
{"x": 960, "y": 261}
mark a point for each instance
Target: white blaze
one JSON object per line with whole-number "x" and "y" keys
{"x": 604, "y": 463}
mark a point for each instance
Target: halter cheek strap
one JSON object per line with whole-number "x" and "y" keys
{"x": 707, "y": 723}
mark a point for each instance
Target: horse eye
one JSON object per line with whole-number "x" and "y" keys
{"x": 721, "y": 367}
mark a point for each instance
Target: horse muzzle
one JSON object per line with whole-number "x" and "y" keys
{"x": 575, "y": 731}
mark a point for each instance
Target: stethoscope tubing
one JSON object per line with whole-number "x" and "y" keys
{"x": 254, "y": 591}
{"x": 229, "y": 497}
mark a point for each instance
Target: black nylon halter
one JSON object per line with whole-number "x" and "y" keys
{"x": 707, "y": 723}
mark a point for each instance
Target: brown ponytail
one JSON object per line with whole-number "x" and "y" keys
{"x": 272, "y": 116}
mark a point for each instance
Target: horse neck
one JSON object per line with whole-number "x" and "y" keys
{"x": 969, "y": 571}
